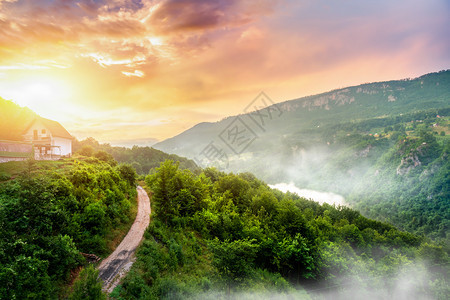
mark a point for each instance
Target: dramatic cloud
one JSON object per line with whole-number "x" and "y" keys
{"x": 187, "y": 61}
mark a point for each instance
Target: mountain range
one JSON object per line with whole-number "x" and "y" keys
{"x": 296, "y": 123}
{"x": 384, "y": 146}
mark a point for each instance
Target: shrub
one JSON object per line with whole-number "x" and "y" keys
{"x": 88, "y": 286}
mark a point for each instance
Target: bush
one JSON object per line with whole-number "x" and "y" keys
{"x": 4, "y": 176}
{"x": 47, "y": 218}
{"x": 128, "y": 173}
{"x": 88, "y": 286}
{"x": 86, "y": 151}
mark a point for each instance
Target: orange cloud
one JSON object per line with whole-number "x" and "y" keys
{"x": 187, "y": 61}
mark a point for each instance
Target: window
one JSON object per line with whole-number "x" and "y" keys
{"x": 43, "y": 131}
{"x": 35, "y": 134}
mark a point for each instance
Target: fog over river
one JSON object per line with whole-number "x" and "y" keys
{"x": 321, "y": 197}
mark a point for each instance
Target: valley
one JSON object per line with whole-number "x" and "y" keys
{"x": 224, "y": 150}
{"x": 374, "y": 144}
{"x": 319, "y": 197}
{"x": 345, "y": 194}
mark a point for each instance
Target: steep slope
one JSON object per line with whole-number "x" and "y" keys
{"x": 13, "y": 120}
{"x": 225, "y": 236}
{"x": 304, "y": 114}
{"x": 383, "y": 146}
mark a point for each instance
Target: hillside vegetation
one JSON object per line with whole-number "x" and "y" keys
{"x": 216, "y": 235}
{"x": 409, "y": 185}
{"x": 392, "y": 169}
{"x": 13, "y": 119}
{"x": 50, "y": 212}
{"x": 384, "y": 146}
{"x": 142, "y": 159}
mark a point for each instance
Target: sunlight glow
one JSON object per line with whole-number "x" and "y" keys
{"x": 47, "y": 96}
{"x": 155, "y": 41}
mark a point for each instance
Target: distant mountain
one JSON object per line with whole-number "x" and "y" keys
{"x": 299, "y": 119}
{"x": 383, "y": 146}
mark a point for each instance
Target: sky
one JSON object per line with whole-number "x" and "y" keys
{"x": 133, "y": 72}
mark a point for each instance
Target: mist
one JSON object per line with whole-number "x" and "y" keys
{"x": 407, "y": 282}
{"x": 325, "y": 173}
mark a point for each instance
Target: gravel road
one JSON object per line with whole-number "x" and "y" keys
{"x": 115, "y": 266}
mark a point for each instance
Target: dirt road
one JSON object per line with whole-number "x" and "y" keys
{"x": 115, "y": 266}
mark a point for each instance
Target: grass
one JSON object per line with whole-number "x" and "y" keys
{"x": 12, "y": 168}
{"x": 15, "y": 154}
{"x": 15, "y": 168}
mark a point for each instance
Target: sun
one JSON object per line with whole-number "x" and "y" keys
{"x": 47, "y": 96}
{"x": 156, "y": 41}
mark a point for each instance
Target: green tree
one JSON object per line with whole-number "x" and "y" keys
{"x": 233, "y": 259}
{"x": 162, "y": 185}
{"x": 105, "y": 156}
{"x": 86, "y": 150}
{"x": 294, "y": 254}
{"x": 128, "y": 173}
{"x": 25, "y": 278}
{"x": 88, "y": 286}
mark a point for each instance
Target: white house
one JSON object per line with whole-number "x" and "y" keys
{"x": 49, "y": 138}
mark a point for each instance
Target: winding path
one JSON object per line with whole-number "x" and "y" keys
{"x": 115, "y": 266}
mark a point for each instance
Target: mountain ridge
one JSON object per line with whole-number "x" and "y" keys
{"x": 382, "y": 146}
{"x": 353, "y": 103}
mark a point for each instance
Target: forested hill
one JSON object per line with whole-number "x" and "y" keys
{"x": 229, "y": 236}
{"x": 142, "y": 159}
{"x": 53, "y": 211}
{"x": 381, "y": 99}
{"x": 213, "y": 235}
{"x": 13, "y": 119}
{"x": 383, "y": 146}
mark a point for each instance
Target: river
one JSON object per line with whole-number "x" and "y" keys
{"x": 321, "y": 197}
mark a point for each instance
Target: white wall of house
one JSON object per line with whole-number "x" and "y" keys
{"x": 39, "y": 127}
{"x": 65, "y": 146}
{"x": 45, "y": 136}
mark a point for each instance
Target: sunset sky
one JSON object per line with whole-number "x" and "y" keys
{"x": 132, "y": 71}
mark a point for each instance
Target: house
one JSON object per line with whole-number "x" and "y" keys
{"x": 49, "y": 138}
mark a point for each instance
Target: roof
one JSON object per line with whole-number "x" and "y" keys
{"x": 54, "y": 127}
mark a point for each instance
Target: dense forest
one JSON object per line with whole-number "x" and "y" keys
{"x": 383, "y": 146}
{"x": 409, "y": 186}
{"x": 50, "y": 213}
{"x": 142, "y": 159}
{"x": 394, "y": 169}
{"x": 212, "y": 235}
{"x": 219, "y": 235}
